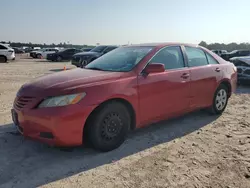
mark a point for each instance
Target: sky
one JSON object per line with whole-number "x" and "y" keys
{"x": 124, "y": 21}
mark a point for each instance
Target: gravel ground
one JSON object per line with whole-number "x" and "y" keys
{"x": 196, "y": 150}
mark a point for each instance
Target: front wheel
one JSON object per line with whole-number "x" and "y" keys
{"x": 3, "y": 59}
{"x": 39, "y": 56}
{"x": 220, "y": 100}
{"x": 109, "y": 126}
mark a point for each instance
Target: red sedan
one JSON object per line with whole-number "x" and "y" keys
{"x": 125, "y": 89}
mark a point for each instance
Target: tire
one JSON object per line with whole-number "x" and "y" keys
{"x": 3, "y": 59}
{"x": 39, "y": 56}
{"x": 220, "y": 100}
{"x": 59, "y": 58}
{"x": 109, "y": 126}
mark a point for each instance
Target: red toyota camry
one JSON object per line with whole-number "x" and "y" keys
{"x": 125, "y": 89}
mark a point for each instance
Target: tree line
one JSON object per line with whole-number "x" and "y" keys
{"x": 213, "y": 46}
{"x": 229, "y": 47}
{"x": 31, "y": 45}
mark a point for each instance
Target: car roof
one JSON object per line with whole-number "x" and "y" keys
{"x": 165, "y": 44}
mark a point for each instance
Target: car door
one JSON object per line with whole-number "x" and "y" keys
{"x": 68, "y": 54}
{"x": 167, "y": 93}
{"x": 204, "y": 76}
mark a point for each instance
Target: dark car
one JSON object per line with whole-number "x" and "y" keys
{"x": 65, "y": 54}
{"x": 84, "y": 58}
{"x": 18, "y": 50}
{"x": 243, "y": 68}
{"x": 235, "y": 53}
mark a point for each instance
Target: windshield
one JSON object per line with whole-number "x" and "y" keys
{"x": 98, "y": 49}
{"x": 122, "y": 59}
{"x": 232, "y": 52}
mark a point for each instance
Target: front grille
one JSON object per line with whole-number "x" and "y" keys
{"x": 247, "y": 72}
{"x": 22, "y": 102}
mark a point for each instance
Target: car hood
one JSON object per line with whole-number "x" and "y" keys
{"x": 65, "y": 82}
{"x": 245, "y": 59}
{"x": 87, "y": 53}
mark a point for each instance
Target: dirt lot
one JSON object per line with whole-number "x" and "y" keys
{"x": 196, "y": 150}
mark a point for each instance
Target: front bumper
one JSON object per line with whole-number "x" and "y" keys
{"x": 56, "y": 126}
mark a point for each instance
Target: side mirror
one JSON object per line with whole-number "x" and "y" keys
{"x": 154, "y": 68}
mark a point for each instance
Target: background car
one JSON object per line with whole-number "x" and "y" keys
{"x": 219, "y": 52}
{"x": 65, "y": 54}
{"x": 83, "y": 58}
{"x": 125, "y": 89}
{"x": 6, "y": 53}
{"x": 33, "y": 53}
{"x": 44, "y": 52}
{"x": 235, "y": 53}
{"x": 18, "y": 50}
{"x": 243, "y": 68}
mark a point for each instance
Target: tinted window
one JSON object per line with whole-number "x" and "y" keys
{"x": 196, "y": 57}
{"x": 210, "y": 59}
{"x": 122, "y": 59}
{"x": 108, "y": 49}
{"x": 70, "y": 51}
{"x": 99, "y": 49}
{"x": 77, "y": 51}
{"x": 171, "y": 57}
{"x": 245, "y": 52}
{"x": 2, "y": 47}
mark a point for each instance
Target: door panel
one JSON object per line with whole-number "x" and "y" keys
{"x": 204, "y": 77}
{"x": 163, "y": 94}
{"x": 203, "y": 84}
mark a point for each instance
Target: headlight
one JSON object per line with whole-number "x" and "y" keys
{"x": 63, "y": 100}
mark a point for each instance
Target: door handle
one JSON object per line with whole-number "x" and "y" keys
{"x": 185, "y": 75}
{"x": 217, "y": 69}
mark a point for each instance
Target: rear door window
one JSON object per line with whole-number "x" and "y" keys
{"x": 2, "y": 47}
{"x": 211, "y": 60}
{"x": 196, "y": 57}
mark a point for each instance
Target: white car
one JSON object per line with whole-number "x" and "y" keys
{"x": 44, "y": 52}
{"x": 6, "y": 53}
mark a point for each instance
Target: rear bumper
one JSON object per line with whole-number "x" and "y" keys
{"x": 57, "y": 126}
{"x": 11, "y": 56}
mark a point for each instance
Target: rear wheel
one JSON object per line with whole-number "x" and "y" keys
{"x": 109, "y": 126}
{"x": 3, "y": 59}
{"x": 39, "y": 56}
{"x": 220, "y": 100}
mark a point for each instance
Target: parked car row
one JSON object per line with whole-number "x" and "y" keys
{"x": 83, "y": 58}
{"x": 62, "y": 55}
